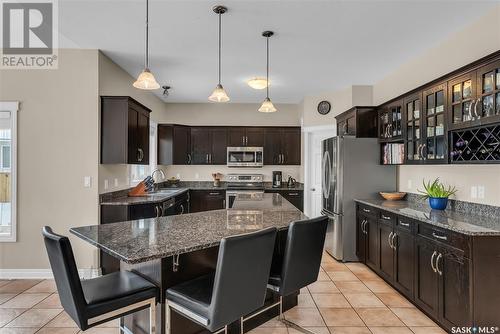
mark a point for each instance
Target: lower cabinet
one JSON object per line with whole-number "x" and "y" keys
{"x": 206, "y": 200}
{"x": 430, "y": 266}
{"x": 296, "y": 197}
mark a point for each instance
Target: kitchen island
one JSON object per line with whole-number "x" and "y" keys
{"x": 173, "y": 249}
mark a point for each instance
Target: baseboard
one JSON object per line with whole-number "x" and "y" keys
{"x": 43, "y": 273}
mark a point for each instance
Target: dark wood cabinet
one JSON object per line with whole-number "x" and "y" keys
{"x": 282, "y": 146}
{"x": 390, "y": 127}
{"x": 360, "y": 122}
{"x": 372, "y": 243}
{"x": 294, "y": 196}
{"x": 124, "y": 131}
{"x": 246, "y": 136}
{"x": 433, "y": 267}
{"x": 208, "y": 145}
{"x": 413, "y": 128}
{"x": 174, "y": 144}
{"x": 206, "y": 200}
{"x": 435, "y": 125}
{"x": 487, "y": 106}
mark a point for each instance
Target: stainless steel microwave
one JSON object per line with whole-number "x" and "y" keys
{"x": 245, "y": 156}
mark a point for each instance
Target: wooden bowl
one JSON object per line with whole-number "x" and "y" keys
{"x": 394, "y": 196}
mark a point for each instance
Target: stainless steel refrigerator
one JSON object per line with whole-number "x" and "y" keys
{"x": 350, "y": 169}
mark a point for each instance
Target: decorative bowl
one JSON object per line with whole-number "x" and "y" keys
{"x": 392, "y": 196}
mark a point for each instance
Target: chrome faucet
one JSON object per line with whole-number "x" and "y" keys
{"x": 162, "y": 173}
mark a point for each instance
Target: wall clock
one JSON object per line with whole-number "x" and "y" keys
{"x": 324, "y": 107}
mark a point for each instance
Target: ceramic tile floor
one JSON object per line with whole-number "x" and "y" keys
{"x": 347, "y": 298}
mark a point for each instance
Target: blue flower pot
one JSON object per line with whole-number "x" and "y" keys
{"x": 437, "y": 203}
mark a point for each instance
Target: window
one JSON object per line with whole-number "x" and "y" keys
{"x": 8, "y": 162}
{"x": 139, "y": 172}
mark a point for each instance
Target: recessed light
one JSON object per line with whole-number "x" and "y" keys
{"x": 257, "y": 83}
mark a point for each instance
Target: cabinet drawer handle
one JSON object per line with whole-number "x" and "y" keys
{"x": 182, "y": 209}
{"x": 386, "y": 218}
{"x": 390, "y": 239}
{"x": 293, "y": 194}
{"x": 214, "y": 193}
{"x": 404, "y": 224}
{"x": 432, "y": 261}
{"x": 366, "y": 210}
{"x": 364, "y": 226}
{"x": 394, "y": 236}
{"x": 437, "y": 264}
{"x": 441, "y": 237}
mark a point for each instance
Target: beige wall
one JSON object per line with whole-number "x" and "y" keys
{"x": 55, "y": 106}
{"x": 474, "y": 42}
{"x": 340, "y": 100}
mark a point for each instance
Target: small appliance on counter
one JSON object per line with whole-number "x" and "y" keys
{"x": 277, "y": 177}
{"x": 291, "y": 182}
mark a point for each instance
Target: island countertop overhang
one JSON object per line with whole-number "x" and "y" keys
{"x": 144, "y": 240}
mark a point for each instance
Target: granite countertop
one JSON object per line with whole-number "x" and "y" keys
{"x": 461, "y": 222}
{"x": 156, "y": 197}
{"x": 148, "y": 239}
{"x": 122, "y": 198}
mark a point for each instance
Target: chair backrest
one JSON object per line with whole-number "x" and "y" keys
{"x": 66, "y": 276}
{"x": 303, "y": 252}
{"x": 241, "y": 276}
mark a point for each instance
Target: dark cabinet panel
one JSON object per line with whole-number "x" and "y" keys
{"x": 435, "y": 146}
{"x": 426, "y": 280}
{"x": 372, "y": 243}
{"x": 174, "y": 144}
{"x": 413, "y": 129}
{"x": 206, "y": 200}
{"x": 358, "y": 121}
{"x": 390, "y": 121}
{"x": 404, "y": 273}
{"x": 218, "y": 138}
{"x": 487, "y": 106}
{"x": 201, "y": 146}
{"x": 462, "y": 100}
{"x": 386, "y": 260}
{"x": 236, "y": 136}
{"x": 291, "y": 146}
{"x": 255, "y": 137}
{"x": 360, "y": 238}
{"x": 272, "y": 147}
{"x": 124, "y": 131}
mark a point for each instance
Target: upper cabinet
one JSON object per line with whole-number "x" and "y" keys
{"x": 390, "y": 121}
{"x": 124, "y": 131}
{"x": 488, "y": 93}
{"x": 170, "y": 153}
{"x": 282, "y": 146}
{"x": 413, "y": 128}
{"x": 434, "y": 120}
{"x": 360, "y": 122}
{"x": 208, "y": 145}
{"x": 246, "y": 136}
{"x": 462, "y": 100}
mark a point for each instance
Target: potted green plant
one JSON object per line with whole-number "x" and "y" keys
{"x": 437, "y": 193}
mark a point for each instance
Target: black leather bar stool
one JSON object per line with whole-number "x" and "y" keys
{"x": 301, "y": 263}
{"x": 95, "y": 301}
{"x": 237, "y": 287}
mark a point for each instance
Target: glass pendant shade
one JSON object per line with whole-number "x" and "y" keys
{"x": 257, "y": 83}
{"x": 146, "y": 80}
{"x": 267, "y": 106}
{"x": 219, "y": 95}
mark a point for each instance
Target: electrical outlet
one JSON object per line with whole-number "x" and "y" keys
{"x": 473, "y": 192}
{"x": 178, "y": 175}
{"x": 480, "y": 192}
{"x": 106, "y": 184}
{"x": 87, "y": 181}
{"x": 116, "y": 182}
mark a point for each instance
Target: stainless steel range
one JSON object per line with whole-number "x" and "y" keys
{"x": 244, "y": 187}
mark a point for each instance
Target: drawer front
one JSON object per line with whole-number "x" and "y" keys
{"x": 453, "y": 239}
{"x": 405, "y": 224}
{"x": 292, "y": 193}
{"x": 368, "y": 210}
{"x": 387, "y": 217}
{"x": 215, "y": 193}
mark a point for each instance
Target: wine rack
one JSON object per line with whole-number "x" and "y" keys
{"x": 476, "y": 145}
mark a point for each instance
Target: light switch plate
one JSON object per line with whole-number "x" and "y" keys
{"x": 87, "y": 181}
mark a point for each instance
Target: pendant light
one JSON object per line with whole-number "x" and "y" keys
{"x": 267, "y": 105}
{"x": 219, "y": 94}
{"x": 146, "y": 79}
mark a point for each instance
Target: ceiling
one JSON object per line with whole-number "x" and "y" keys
{"x": 319, "y": 46}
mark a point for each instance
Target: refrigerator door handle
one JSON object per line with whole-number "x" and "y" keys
{"x": 326, "y": 175}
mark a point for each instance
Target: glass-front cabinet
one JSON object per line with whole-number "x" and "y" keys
{"x": 413, "y": 128}
{"x": 462, "y": 100}
{"x": 390, "y": 121}
{"x": 434, "y": 148}
{"x": 487, "y": 106}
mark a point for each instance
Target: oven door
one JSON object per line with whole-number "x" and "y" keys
{"x": 245, "y": 157}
